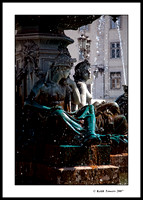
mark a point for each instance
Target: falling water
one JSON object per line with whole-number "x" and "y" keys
{"x": 122, "y": 56}
{"x": 99, "y": 38}
{"x": 98, "y": 90}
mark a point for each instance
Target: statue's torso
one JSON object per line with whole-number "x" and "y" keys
{"x": 85, "y": 94}
{"x": 51, "y": 94}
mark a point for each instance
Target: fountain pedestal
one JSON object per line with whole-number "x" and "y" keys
{"x": 70, "y": 156}
{"x": 79, "y": 175}
{"x": 73, "y": 165}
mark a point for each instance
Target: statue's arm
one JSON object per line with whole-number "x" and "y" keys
{"x": 75, "y": 92}
{"x": 88, "y": 96}
{"x": 82, "y": 89}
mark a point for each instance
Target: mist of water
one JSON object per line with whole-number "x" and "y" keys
{"x": 122, "y": 55}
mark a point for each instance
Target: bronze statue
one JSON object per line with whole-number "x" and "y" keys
{"x": 109, "y": 119}
{"x": 57, "y": 85}
{"x": 51, "y": 99}
{"x": 82, "y": 74}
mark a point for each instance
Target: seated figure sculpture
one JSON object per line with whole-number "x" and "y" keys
{"x": 109, "y": 120}
{"x": 50, "y": 99}
{"x": 82, "y": 74}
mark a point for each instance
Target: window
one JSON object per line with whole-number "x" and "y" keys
{"x": 115, "y": 50}
{"x": 113, "y": 25}
{"x": 115, "y": 78}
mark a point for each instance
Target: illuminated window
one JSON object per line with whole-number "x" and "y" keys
{"x": 115, "y": 78}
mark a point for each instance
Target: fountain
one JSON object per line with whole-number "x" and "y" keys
{"x": 73, "y": 154}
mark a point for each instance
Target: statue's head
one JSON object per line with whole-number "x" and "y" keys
{"x": 82, "y": 71}
{"x": 62, "y": 65}
{"x": 63, "y": 59}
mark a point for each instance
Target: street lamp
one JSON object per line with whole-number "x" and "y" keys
{"x": 82, "y": 42}
{"x": 84, "y": 46}
{"x": 88, "y": 41}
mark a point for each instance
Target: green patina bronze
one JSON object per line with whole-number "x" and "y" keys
{"x": 54, "y": 95}
{"x": 73, "y": 119}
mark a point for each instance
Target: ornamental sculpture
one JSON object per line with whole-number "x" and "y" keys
{"x": 51, "y": 102}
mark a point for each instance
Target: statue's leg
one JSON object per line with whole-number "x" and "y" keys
{"x": 70, "y": 121}
{"x": 90, "y": 121}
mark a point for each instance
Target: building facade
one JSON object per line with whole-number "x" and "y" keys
{"x": 104, "y": 43}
